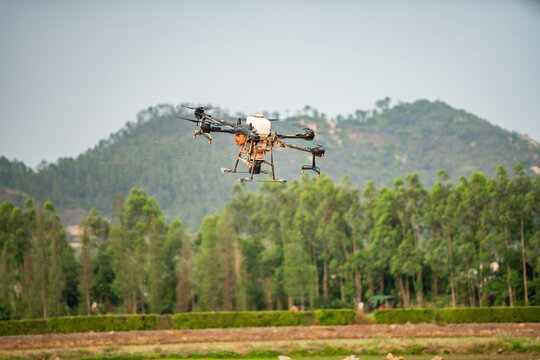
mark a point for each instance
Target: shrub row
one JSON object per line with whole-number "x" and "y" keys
{"x": 238, "y": 319}
{"x": 72, "y": 324}
{"x": 516, "y": 314}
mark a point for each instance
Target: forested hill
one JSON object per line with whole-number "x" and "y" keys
{"x": 158, "y": 154}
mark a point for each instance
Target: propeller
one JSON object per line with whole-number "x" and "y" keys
{"x": 187, "y": 119}
{"x": 203, "y": 108}
{"x": 304, "y": 127}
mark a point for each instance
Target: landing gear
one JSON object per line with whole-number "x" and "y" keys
{"x": 253, "y": 159}
{"x": 312, "y": 167}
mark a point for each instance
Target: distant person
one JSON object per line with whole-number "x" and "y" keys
{"x": 294, "y": 308}
{"x": 360, "y": 307}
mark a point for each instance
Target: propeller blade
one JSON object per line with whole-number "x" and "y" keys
{"x": 183, "y": 118}
{"x": 307, "y": 128}
{"x": 204, "y": 108}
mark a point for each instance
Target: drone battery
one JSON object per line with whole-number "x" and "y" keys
{"x": 259, "y": 123}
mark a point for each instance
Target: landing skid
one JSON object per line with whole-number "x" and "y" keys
{"x": 281, "y": 181}
{"x": 251, "y": 162}
{"x": 227, "y": 171}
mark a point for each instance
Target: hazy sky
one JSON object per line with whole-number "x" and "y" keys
{"x": 72, "y": 72}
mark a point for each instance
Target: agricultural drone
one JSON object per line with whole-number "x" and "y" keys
{"x": 255, "y": 141}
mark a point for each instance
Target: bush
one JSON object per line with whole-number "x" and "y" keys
{"x": 401, "y": 316}
{"x": 23, "y": 327}
{"x": 514, "y": 314}
{"x": 231, "y": 319}
{"x": 335, "y": 317}
{"x": 72, "y": 324}
{"x": 238, "y": 319}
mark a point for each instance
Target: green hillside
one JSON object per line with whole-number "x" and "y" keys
{"x": 158, "y": 154}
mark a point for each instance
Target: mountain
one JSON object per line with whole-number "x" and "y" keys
{"x": 157, "y": 153}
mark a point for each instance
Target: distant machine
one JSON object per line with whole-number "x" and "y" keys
{"x": 255, "y": 140}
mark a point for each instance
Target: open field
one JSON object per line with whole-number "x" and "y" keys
{"x": 501, "y": 348}
{"x": 478, "y": 341}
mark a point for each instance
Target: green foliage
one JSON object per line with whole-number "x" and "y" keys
{"x": 517, "y": 314}
{"x": 402, "y": 316}
{"x": 309, "y": 244}
{"x": 263, "y": 353}
{"x": 335, "y": 317}
{"x": 72, "y": 324}
{"x": 6, "y": 311}
{"x": 237, "y": 319}
{"x": 329, "y": 350}
{"x": 23, "y": 327}
{"x": 234, "y": 319}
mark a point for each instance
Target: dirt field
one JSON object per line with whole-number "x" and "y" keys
{"x": 271, "y": 334}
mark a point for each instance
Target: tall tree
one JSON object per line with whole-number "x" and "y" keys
{"x": 501, "y": 189}
{"x": 522, "y": 187}
{"x": 210, "y": 276}
{"x": 95, "y": 230}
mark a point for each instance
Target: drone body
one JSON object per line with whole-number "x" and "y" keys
{"x": 255, "y": 142}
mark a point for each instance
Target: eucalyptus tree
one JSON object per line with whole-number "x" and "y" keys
{"x": 95, "y": 230}
{"x": 522, "y": 187}
{"x": 353, "y": 215}
{"x": 473, "y": 209}
{"x": 137, "y": 240}
{"x": 209, "y": 267}
{"x": 500, "y": 191}
{"x": 416, "y": 197}
{"x": 49, "y": 276}
{"x": 533, "y": 253}
{"x": 369, "y": 197}
{"x": 325, "y": 207}
{"x": 451, "y": 221}
{"x": 177, "y": 282}
{"x": 384, "y": 241}
{"x": 14, "y": 245}
{"x": 308, "y": 203}
{"x": 297, "y": 267}
{"x": 407, "y": 262}
{"x": 437, "y": 251}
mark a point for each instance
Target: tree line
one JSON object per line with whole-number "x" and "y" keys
{"x": 312, "y": 243}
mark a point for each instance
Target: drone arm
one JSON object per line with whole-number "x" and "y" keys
{"x": 222, "y": 122}
{"x": 318, "y": 150}
{"x": 291, "y": 146}
{"x": 308, "y": 135}
{"x": 222, "y": 130}
{"x": 315, "y": 151}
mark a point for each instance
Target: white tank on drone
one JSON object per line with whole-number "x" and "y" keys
{"x": 259, "y": 123}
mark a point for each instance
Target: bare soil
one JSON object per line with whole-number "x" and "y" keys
{"x": 269, "y": 334}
